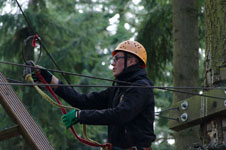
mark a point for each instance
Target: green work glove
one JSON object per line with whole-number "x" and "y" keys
{"x": 70, "y": 118}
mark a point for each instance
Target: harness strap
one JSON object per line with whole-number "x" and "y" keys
{"x": 125, "y": 60}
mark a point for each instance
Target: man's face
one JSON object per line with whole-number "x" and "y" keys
{"x": 118, "y": 63}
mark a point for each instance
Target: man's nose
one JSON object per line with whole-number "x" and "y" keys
{"x": 113, "y": 63}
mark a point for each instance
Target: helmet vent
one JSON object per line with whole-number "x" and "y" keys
{"x": 123, "y": 47}
{"x": 127, "y": 42}
{"x": 137, "y": 45}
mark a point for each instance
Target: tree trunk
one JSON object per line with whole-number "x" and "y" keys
{"x": 215, "y": 13}
{"x": 185, "y": 61}
{"x": 213, "y": 130}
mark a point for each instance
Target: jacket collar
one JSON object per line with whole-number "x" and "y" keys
{"x": 132, "y": 73}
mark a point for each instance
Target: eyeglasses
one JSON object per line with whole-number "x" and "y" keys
{"x": 116, "y": 58}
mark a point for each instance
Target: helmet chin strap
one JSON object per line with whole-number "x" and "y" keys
{"x": 125, "y": 61}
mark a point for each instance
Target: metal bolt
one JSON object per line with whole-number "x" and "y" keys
{"x": 225, "y": 103}
{"x": 184, "y": 117}
{"x": 184, "y": 105}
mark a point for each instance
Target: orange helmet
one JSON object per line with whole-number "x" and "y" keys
{"x": 133, "y": 47}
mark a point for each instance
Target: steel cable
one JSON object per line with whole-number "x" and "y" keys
{"x": 105, "y": 79}
{"x": 172, "y": 89}
{"x": 106, "y": 86}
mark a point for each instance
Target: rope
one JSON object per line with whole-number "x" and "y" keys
{"x": 88, "y": 141}
{"x": 45, "y": 96}
{"x": 86, "y": 136}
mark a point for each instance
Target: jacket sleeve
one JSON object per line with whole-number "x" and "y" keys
{"x": 94, "y": 100}
{"x": 134, "y": 101}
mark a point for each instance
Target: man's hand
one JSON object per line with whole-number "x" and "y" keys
{"x": 27, "y": 69}
{"x": 45, "y": 73}
{"x": 70, "y": 118}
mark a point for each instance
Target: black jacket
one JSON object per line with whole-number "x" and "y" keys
{"x": 128, "y": 112}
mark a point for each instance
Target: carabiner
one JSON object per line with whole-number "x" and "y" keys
{"x": 35, "y": 38}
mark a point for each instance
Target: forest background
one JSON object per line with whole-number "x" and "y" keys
{"x": 80, "y": 35}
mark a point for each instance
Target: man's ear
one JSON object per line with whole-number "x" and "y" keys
{"x": 131, "y": 61}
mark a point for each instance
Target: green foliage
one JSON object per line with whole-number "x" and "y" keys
{"x": 158, "y": 39}
{"x": 162, "y": 141}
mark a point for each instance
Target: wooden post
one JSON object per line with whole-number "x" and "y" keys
{"x": 18, "y": 113}
{"x": 9, "y": 132}
{"x": 208, "y": 112}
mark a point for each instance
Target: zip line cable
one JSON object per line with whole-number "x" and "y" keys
{"x": 172, "y": 89}
{"x": 105, "y": 86}
{"x": 168, "y": 109}
{"x": 18, "y": 83}
{"x": 13, "y": 81}
{"x": 105, "y": 79}
{"x": 68, "y": 73}
{"x": 26, "y": 19}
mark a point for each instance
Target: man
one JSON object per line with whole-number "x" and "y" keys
{"x": 128, "y": 112}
